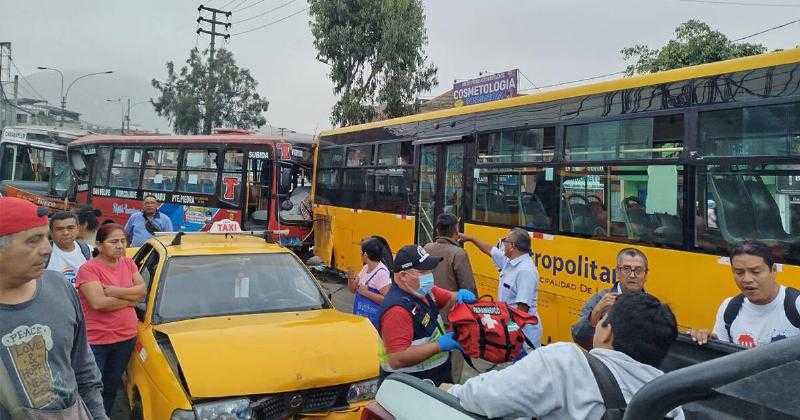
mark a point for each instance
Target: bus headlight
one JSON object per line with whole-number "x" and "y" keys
{"x": 362, "y": 391}
{"x": 238, "y": 409}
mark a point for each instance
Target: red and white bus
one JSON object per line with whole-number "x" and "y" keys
{"x": 259, "y": 182}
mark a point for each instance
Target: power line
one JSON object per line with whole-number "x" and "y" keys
{"x": 767, "y": 30}
{"x": 226, "y": 4}
{"x": 272, "y": 23}
{"x": 237, "y": 4}
{"x": 264, "y": 13}
{"x": 248, "y": 6}
{"x": 26, "y": 79}
{"x": 741, "y": 3}
{"x": 527, "y": 78}
{"x": 576, "y": 81}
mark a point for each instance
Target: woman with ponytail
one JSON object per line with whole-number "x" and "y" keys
{"x": 109, "y": 285}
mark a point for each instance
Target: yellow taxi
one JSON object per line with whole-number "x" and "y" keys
{"x": 233, "y": 327}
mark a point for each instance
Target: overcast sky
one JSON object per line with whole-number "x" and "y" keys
{"x": 549, "y": 41}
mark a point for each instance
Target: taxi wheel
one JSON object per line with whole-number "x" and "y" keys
{"x": 136, "y": 407}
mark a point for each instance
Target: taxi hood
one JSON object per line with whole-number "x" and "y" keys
{"x": 269, "y": 353}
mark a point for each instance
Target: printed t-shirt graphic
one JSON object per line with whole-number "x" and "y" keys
{"x": 28, "y": 347}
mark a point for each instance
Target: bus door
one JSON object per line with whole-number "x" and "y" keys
{"x": 442, "y": 184}
{"x": 259, "y": 189}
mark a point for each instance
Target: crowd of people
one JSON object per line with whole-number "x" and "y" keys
{"x": 622, "y": 333}
{"x": 68, "y": 359}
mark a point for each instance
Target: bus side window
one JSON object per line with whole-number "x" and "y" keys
{"x": 515, "y": 197}
{"x": 199, "y": 173}
{"x": 634, "y": 203}
{"x": 101, "y": 166}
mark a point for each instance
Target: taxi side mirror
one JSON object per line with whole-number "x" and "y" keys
{"x": 140, "y": 309}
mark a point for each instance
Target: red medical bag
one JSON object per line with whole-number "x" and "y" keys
{"x": 490, "y": 330}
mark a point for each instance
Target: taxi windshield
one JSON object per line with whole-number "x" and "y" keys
{"x": 216, "y": 285}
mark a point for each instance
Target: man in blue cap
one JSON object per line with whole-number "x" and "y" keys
{"x": 414, "y": 341}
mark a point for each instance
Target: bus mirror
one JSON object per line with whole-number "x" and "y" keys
{"x": 287, "y": 205}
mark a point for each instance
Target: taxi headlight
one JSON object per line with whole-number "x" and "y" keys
{"x": 238, "y": 409}
{"x": 361, "y": 391}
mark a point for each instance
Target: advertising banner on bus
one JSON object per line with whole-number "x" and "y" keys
{"x": 488, "y": 88}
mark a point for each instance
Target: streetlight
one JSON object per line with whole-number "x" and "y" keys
{"x": 128, "y": 117}
{"x": 63, "y": 93}
{"x": 122, "y": 107}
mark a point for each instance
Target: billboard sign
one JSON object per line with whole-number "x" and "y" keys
{"x": 487, "y": 88}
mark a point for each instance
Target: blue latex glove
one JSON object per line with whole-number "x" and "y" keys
{"x": 448, "y": 343}
{"x": 465, "y": 296}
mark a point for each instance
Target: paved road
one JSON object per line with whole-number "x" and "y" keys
{"x": 343, "y": 301}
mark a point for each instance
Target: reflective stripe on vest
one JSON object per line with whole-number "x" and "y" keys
{"x": 434, "y": 361}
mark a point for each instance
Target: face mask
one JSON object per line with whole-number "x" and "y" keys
{"x": 425, "y": 284}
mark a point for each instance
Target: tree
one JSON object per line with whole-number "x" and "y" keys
{"x": 235, "y": 102}
{"x": 375, "y": 50}
{"x": 695, "y": 43}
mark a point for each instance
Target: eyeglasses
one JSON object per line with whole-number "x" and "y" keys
{"x": 65, "y": 228}
{"x": 627, "y": 270}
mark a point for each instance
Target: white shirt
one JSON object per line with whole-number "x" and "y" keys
{"x": 757, "y": 324}
{"x": 553, "y": 382}
{"x": 66, "y": 263}
{"x": 519, "y": 282}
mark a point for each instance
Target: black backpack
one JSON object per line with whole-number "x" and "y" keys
{"x": 789, "y": 307}
{"x": 85, "y": 250}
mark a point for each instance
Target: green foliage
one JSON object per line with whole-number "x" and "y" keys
{"x": 375, "y": 50}
{"x": 695, "y": 43}
{"x": 235, "y": 102}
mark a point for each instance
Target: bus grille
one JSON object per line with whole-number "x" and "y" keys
{"x": 281, "y": 406}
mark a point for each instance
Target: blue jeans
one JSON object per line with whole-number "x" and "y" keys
{"x": 112, "y": 359}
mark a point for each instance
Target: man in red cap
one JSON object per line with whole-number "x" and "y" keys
{"x": 46, "y": 367}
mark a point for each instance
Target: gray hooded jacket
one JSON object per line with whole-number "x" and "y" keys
{"x": 553, "y": 382}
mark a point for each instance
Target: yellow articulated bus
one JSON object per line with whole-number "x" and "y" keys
{"x": 680, "y": 164}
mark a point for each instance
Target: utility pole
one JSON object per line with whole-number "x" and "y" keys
{"x": 211, "y": 85}
{"x": 16, "y": 100}
{"x": 5, "y": 77}
{"x": 128, "y": 116}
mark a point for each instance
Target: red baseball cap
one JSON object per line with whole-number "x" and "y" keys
{"x": 17, "y": 215}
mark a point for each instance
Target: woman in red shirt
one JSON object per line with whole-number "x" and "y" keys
{"x": 109, "y": 285}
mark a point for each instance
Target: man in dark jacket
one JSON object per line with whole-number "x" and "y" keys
{"x": 631, "y": 274}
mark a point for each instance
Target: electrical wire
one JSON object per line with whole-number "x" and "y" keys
{"x": 767, "y": 30}
{"x": 528, "y": 79}
{"x": 741, "y": 3}
{"x": 248, "y": 6}
{"x": 237, "y": 4}
{"x": 26, "y": 79}
{"x": 226, "y": 4}
{"x": 271, "y": 23}
{"x": 264, "y": 13}
{"x": 576, "y": 81}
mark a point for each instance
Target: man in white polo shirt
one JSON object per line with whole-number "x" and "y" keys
{"x": 764, "y": 312}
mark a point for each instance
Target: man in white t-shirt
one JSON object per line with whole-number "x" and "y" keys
{"x": 764, "y": 312}
{"x": 68, "y": 254}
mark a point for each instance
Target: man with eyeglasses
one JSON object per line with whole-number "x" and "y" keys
{"x": 631, "y": 274}
{"x": 68, "y": 254}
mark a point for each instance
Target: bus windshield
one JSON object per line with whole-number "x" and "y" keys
{"x": 37, "y": 170}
